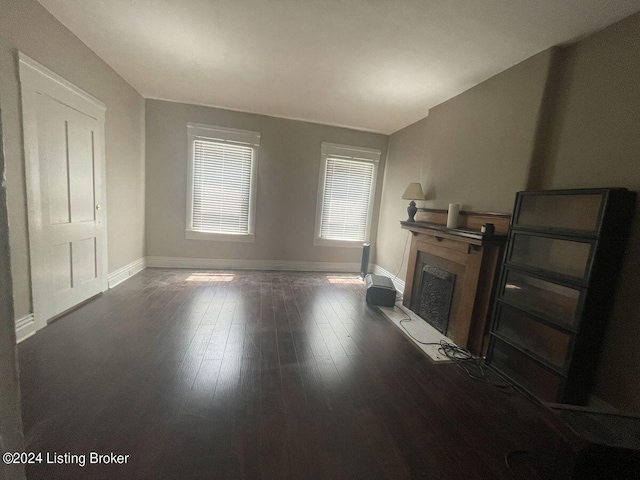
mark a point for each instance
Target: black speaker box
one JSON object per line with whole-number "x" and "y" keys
{"x": 380, "y": 290}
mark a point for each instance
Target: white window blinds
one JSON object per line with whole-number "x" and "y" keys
{"x": 221, "y": 187}
{"x": 223, "y": 179}
{"x": 347, "y": 197}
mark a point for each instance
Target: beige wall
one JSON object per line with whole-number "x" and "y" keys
{"x": 288, "y": 174}
{"x": 27, "y": 27}
{"x": 595, "y": 142}
{"x": 474, "y": 149}
{"x": 562, "y": 119}
{"x": 479, "y": 144}
{"x": 405, "y": 159}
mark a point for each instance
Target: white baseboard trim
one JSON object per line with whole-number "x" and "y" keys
{"x": 124, "y": 273}
{"x": 25, "y": 327}
{"x": 236, "y": 264}
{"x": 397, "y": 282}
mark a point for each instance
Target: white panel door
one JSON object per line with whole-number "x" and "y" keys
{"x": 63, "y": 131}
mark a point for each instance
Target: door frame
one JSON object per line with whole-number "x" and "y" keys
{"x": 36, "y": 79}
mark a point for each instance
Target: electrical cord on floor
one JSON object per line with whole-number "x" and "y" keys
{"x": 409, "y": 319}
{"x": 469, "y": 363}
{"x": 507, "y": 457}
{"x": 472, "y": 366}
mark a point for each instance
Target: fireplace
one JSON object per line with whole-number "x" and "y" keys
{"x": 451, "y": 273}
{"x": 436, "y": 295}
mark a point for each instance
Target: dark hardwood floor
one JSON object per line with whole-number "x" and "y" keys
{"x": 262, "y": 375}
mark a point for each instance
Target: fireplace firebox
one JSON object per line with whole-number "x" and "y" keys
{"x": 436, "y": 296}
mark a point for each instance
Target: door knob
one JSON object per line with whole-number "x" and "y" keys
{"x": 98, "y": 207}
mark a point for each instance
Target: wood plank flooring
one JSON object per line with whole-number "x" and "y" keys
{"x": 262, "y": 375}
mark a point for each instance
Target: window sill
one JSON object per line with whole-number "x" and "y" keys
{"x": 219, "y": 237}
{"x": 323, "y": 242}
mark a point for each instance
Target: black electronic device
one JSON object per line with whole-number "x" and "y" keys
{"x": 380, "y": 290}
{"x": 364, "y": 264}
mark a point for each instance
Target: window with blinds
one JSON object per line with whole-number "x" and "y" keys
{"x": 346, "y": 197}
{"x": 221, "y": 195}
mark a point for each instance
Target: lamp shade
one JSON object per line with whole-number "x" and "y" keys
{"x": 413, "y": 192}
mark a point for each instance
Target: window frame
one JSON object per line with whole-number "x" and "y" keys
{"x": 246, "y": 138}
{"x": 346, "y": 152}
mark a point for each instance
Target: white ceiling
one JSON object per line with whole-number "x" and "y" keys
{"x": 375, "y": 65}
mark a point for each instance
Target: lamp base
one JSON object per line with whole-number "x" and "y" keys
{"x": 411, "y": 211}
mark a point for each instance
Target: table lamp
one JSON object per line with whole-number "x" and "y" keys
{"x": 413, "y": 192}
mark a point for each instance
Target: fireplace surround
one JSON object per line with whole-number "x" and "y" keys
{"x": 459, "y": 266}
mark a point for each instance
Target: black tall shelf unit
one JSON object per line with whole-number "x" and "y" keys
{"x": 556, "y": 289}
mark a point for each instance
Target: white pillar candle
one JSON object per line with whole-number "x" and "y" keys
{"x": 452, "y": 217}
